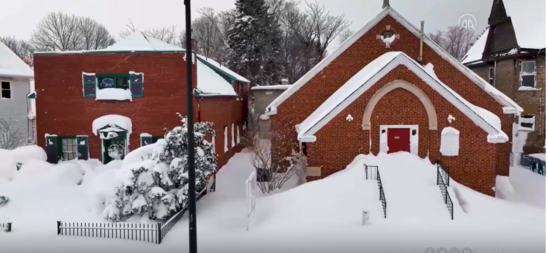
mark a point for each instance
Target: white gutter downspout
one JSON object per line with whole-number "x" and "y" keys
{"x": 495, "y": 75}
{"x": 422, "y": 41}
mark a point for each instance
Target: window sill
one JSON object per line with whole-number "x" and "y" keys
{"x": 527, "y": 88}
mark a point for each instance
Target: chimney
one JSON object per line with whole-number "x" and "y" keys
{"x": 285, "y": 81}
{"x": 385, "y": 3}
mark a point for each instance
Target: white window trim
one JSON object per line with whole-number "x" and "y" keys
{"x": 226, "y": 138}
{"x": 10, "y": 89}
{"x": 534, "y": 73}
{"x": 213, "y": 139}
{"x": 238, "y": 134}
{"x": 526, "y": 120}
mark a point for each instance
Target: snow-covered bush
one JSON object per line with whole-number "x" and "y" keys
{"x": 158, "y": 184}
{"x": 69, "y": 173}
{"x": 25, "y": 153}
{"x": 8, "y": 166}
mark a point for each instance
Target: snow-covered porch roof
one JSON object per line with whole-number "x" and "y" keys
{"x": 372, "y": 73}
{"x": 509, "y": 105}
{"x": 111, "y": 124}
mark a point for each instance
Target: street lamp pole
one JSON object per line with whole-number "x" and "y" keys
{"x": 192, "y": 233}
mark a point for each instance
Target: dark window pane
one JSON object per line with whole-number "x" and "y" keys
{"x": 528, "y": 81}
{"x": 6, "y": 93}
{"x": 89, "y": 89}
{"x": 122, "y": 83}
{"x": 387, "y": 34}
{"x": 5, "y": 85}
{"x": 527, "y": 125}
{"x": 137, "y": 89}
{"x": 527, "y": 116}
{"x": 528, "y": 66}
{"x": 491, "y": 73}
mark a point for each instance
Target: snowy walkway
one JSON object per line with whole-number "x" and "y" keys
{"x": 411, "y": 190}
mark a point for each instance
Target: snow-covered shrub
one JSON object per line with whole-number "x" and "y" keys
{"x": 116, "y": 151}
{"x": 67, "y": 173}
{"x": 26, "y": 153}
{"x": 8, "y": 166}
{"x": 158, "y": 183}
{"x": 34, "y": 171}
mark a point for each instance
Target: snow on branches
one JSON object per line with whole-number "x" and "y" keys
{"x": 158, "y": 186}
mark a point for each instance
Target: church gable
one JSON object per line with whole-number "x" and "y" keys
{"x": 366, "y": 45}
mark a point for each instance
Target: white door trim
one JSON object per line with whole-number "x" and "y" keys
{"x": 414, "y": 139}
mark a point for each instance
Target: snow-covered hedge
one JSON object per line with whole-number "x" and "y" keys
{"x": 154, "y": 180}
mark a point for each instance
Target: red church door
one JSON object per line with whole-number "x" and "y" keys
{"x": 399, "y": 139}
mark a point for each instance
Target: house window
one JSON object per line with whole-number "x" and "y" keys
{"x": 232, "y": 135}
{"x": 528, "y": 74}
{"x": 492, "y": 76}
{"x": 120, "y": 81}
{"x": 449, "y": 142}
{"x": 6, "y": 90}
{"x": 387, "y": 34}
{"x": 226, "y": 138}
{"x": 69, "y": 150}
{"x": 527, "y": 123}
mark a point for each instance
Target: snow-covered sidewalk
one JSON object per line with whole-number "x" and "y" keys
{"x": 320, "y": 216}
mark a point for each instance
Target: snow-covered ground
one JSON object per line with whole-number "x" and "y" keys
{"x": 524, "y": 186}
{"x": 320, "y": 216}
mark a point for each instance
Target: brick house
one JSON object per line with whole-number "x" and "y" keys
{"x": 127, "y": 94}
{"x": 389, "y": 88}
{"x": 511, "y": 55}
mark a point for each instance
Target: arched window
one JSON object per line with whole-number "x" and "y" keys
{"x": 449, "y": 142}
{"x": 226, "y": 138}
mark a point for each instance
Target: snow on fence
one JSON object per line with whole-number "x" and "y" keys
{"x": 153, "y": 233}
{"x": 6, "y": 226}
{"x": 372, "y": 173}
{"x": 443, "y": 183}
{"x": 250, "y": 183}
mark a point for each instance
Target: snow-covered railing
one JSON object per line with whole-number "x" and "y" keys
{"x": 443, "y": 183}
{"x": 153, "y": 233}
{"x": 372, "y": 173}
{"x": 250, "y": 184}
{"x": 6, "y": 226}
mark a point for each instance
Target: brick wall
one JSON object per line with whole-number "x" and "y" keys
{"x": 341, "y": 140}
{"x": 365, "y": 50}
{"x": 223, "y": 111}
{"x": 62, "y": 109}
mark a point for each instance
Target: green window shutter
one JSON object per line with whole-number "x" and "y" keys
{"x": 146, "y": 140}
{"x": 136, "y": 84}
{"x": 83, "y": 147}
{"x": 89, "y": 85}
{"x": 52, "y": 148}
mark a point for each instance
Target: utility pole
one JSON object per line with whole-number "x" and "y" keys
{"x": 192, "y": 233}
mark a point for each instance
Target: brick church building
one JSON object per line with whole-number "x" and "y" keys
{"x": 127, "y": 94}
{"x": 389, "y": 88}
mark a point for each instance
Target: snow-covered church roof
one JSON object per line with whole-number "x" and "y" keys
{"x": 11, "y": 65}
{"x": 374, "y": 71}
{"x": 509, "y": 106}
{"x": 139, "y": 41}
{"x": 529, "y": 22}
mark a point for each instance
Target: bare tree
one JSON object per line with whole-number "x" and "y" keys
{"x": 455, "y": 40}
{"x": 58, "y": 31}
{"x": 276, "y": 160}
{"x": 10, "y": 135}
{"x": 21, "y": 48}
{"x": 345, "y": 35}
{"x": 166, "y": 34}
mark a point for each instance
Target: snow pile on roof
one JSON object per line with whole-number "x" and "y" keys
{"x": 11, "y": 65}
{"x": 112, "y": 121}
{"x": 224, "y": 69}
{"x": 476, "y": 51}
{"x": 139, "y": 41}
{"x": 272, "y": 87}
{"x": 529, "y": 21}
{"x": 212, "y": 84}
{"x": 113, "y": 94}
{"x": 381, "y": 66}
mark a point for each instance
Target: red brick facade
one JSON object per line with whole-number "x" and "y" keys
{"x": 335, "y": 148}
{"x": 62, "y": 109}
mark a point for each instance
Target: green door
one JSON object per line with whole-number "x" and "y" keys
{"x": 107, "y": 143}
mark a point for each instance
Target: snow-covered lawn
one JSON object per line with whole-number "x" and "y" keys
{"x": 320, "y": 216}
{"x": 524, "y": 186}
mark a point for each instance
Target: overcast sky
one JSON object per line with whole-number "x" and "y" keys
{"x": 19, "y": 17}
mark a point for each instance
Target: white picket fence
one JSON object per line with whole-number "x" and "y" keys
{"x": 250, "y": 184}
